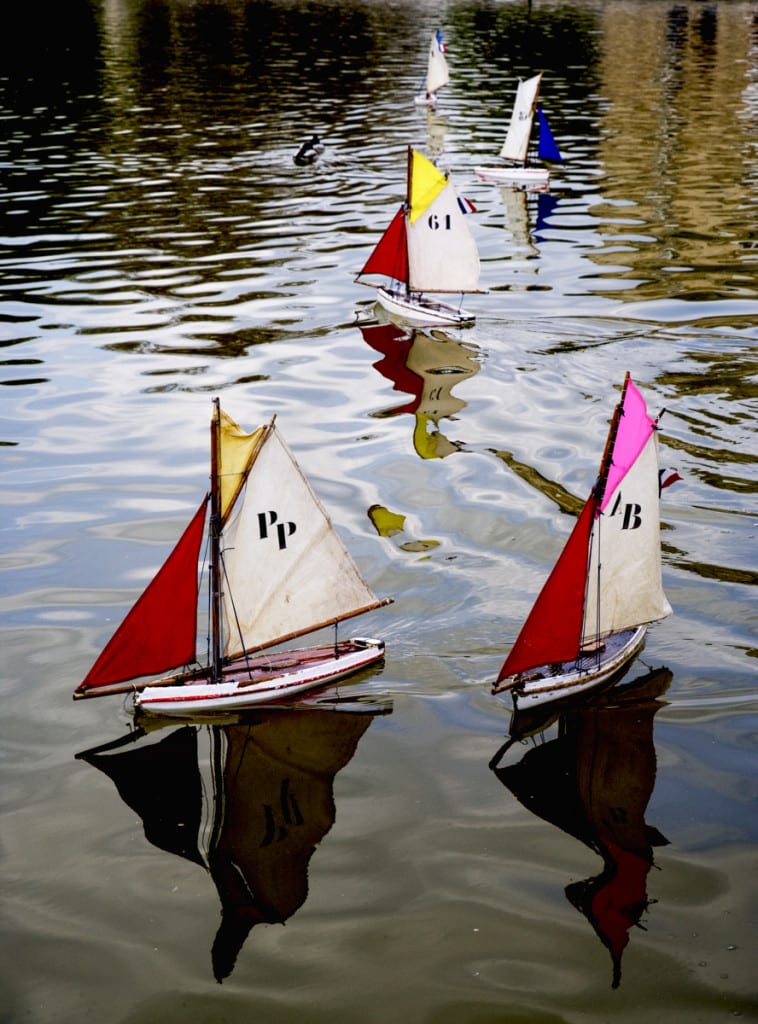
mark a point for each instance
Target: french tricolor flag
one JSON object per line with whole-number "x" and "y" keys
{"x": 466, "y": 205}
{"x": 440, "y": 45}
{"x": 667, "y": 477}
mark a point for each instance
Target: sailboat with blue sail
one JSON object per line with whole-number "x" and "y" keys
{"x": 518, "y": 171}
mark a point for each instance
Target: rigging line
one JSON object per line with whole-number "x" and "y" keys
{"x": 245, "y": 654}
{"x": 202, "y": 572}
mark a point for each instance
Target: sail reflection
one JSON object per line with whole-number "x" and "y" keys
{"x": 593, "y": 780}
{"x": 250, "y": 801}
{"x": 426, "y": 366}
{"x": 521, "y": 208}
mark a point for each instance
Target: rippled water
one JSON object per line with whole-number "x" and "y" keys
{"x": 159, "y": 247}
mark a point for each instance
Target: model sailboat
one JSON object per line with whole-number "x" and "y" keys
{"x": 591, "y": 616}
{"x": 426, "y": 248}
{"x": 278, "y": 571}
{"x": 437, "y": 74}
{"x": 515, "y": 149}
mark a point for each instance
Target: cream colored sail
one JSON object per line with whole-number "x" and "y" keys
{"x": 442, "y": 253}
{"x": 437, "y": 73}
{"x": 285, "y": 570}
{"x": 626, "y": 542}
{"x": 517, "y": 140}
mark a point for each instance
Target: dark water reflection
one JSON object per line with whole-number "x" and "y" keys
{"x": 594, "y": 780}
{"x": 160, "y": 246}
{"x": 249, "y": 800}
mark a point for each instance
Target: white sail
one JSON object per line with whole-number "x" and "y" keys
{"x": 437, "y": 73}
{"x": 287, "y": 572}
{"x": 626, "y": 543}
{"x": 442, "y": 253}
{"x": 517, "y": 140}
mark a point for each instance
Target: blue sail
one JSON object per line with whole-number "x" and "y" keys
{"x": 548, "y": 149}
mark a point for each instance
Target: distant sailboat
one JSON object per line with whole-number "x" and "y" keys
{"x": 248, "y": 800}
{"x": 515, "y": 149}
{"x": 278, "y": 571}
{"x": 437, "y": 73}
{"x": 426, "y": 248}
{"x": 591, "y": 615}
{"x": 593, "y": 777}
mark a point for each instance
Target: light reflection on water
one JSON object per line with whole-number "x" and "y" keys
{"x": 159, "y": 247}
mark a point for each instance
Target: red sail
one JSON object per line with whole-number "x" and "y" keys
{"x": 552, "y": 631}
{"x": 160, "y": 632}
{"x": 390, "y": 257}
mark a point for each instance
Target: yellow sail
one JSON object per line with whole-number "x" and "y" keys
{"x": 236, "y": 453}
{"x": 425, "y": 184}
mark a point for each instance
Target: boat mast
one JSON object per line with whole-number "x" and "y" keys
{"x": 215, "y": 547}
{"x": 598, "y": 492}
{"x": 408, "y": 194}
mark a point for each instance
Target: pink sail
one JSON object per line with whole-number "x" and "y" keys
{"x": 634, "y": 430}
{"x": 160, "y": 631}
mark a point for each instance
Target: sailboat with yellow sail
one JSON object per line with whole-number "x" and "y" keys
{"x": 277, "y": 570}
{"x": 427, "y": 248}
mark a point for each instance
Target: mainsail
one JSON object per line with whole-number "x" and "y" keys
{"x": 516, "y": 142}
{"x": 608, "y": 577}
{"x": 437, "y": 73}
{"x": 442, "y": 253}
{"x": 286, "y": 570}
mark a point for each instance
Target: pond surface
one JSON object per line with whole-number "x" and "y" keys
{"x": 160, "y": 247}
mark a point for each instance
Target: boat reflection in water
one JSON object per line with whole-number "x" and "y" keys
{"x": 250, "y": 801}
{"x": 426, "y": 365}
{"x": 594, "y": 780}
{"x": 523, "y": 207}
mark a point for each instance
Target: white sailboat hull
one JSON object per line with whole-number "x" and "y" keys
{"x": 543, "y": 684}
{"x": 422, "y": 100}
{"x": 523, "y": 177}
{"x": 264, "y": 680}
{"x": 419, "y": 309}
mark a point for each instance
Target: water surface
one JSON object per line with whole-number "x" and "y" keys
{"x": 160, "y": 247}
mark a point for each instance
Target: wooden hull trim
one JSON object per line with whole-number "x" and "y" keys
{"x": 264, "y": 680}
